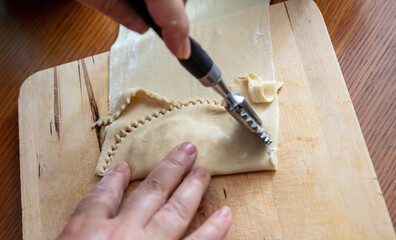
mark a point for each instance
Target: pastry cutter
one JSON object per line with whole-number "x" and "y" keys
{"x": 201, "y": 66}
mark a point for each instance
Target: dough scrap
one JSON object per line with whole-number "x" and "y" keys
{"x": 143, "y": 127}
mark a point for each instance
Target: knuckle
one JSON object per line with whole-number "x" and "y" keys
{"x": 179, "y": 158}
{"x": 105, "y": 190}
{"x": 153, "y": 184}
{"x": 176, "y": 159}
{"x": 177, "y": 208}
{"x": 159, "y": 220}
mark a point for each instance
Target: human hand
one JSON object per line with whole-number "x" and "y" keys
{"x": 170, "y": 15}
{"x": 161, "y": 207}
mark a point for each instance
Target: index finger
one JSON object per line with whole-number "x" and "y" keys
{"x": 104, "y": 198}
{"x": 153, "y": 192}
{"x": 171, "y": 16}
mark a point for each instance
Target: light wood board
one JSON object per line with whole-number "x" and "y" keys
{"x": 325, "y": 188}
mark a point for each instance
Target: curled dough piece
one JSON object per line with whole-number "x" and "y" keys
{"x": 260, "y": 91}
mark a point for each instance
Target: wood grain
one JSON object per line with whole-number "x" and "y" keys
{"x": 59, "y": 116}
{"x": 363, "y": 36}
{"x": 37, "y": 37}
{"x": 326, "y": 179}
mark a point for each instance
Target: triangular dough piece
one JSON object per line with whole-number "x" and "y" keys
{"x": 144, "y": 127}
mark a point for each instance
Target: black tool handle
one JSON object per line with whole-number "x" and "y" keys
{"x": 198, "y": 64}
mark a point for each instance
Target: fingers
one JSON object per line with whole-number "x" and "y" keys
{"x": 104, "y": 198}
{"x": 171, "y": 16}
{"x": 181, "y": 207}
{"x": 119, "y": 11}
{"x": 153, "y": 192}
{"x": 216, "y": 227}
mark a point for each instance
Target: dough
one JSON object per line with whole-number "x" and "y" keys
{"x": 164, "y": 105}
{"x": 143, "y": 127}
{"x": 235, "y": 34}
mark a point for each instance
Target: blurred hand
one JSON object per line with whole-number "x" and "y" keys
{"x": 161, "y": 207}
{"x": 170, "y": 15}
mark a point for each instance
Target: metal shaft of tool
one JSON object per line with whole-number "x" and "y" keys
{"x": 233, "y": 101}
{"x": 236, "y": 104}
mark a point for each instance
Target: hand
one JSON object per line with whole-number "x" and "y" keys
{"x": 161, "y": 207}
{"x": 170, "y": 15}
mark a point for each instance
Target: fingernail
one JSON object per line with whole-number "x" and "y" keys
{"x": 188, "y": 148}
{"x": 122, "y": 166}
{"x": 225, "y": 212}
{"x": 199, "y": 172}
{"x": 185, "y": 49}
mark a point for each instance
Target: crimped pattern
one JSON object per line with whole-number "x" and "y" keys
{"x": 116, "y": 112}
{"x": 134, "y": 125}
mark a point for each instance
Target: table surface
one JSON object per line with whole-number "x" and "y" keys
{"x": 36, "y": 36}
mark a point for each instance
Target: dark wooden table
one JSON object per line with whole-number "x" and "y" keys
{"x": 39, "y": 34}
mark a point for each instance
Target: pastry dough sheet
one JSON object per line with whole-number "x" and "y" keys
{"x": 235, "y": 34}
{"x": 162, "y": 105}
{"x": 144, "y": 126}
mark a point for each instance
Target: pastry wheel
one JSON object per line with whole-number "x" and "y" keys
{"x": 201, "y": 66}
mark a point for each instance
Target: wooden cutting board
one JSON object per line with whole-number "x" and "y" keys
{"x": 325, "y": 188}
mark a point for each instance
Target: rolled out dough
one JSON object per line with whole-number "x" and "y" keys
{"x": 143, "y": 127}
{"x": 235, "y": 34}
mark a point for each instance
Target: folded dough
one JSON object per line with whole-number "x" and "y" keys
{"x": 143, "y": 127}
